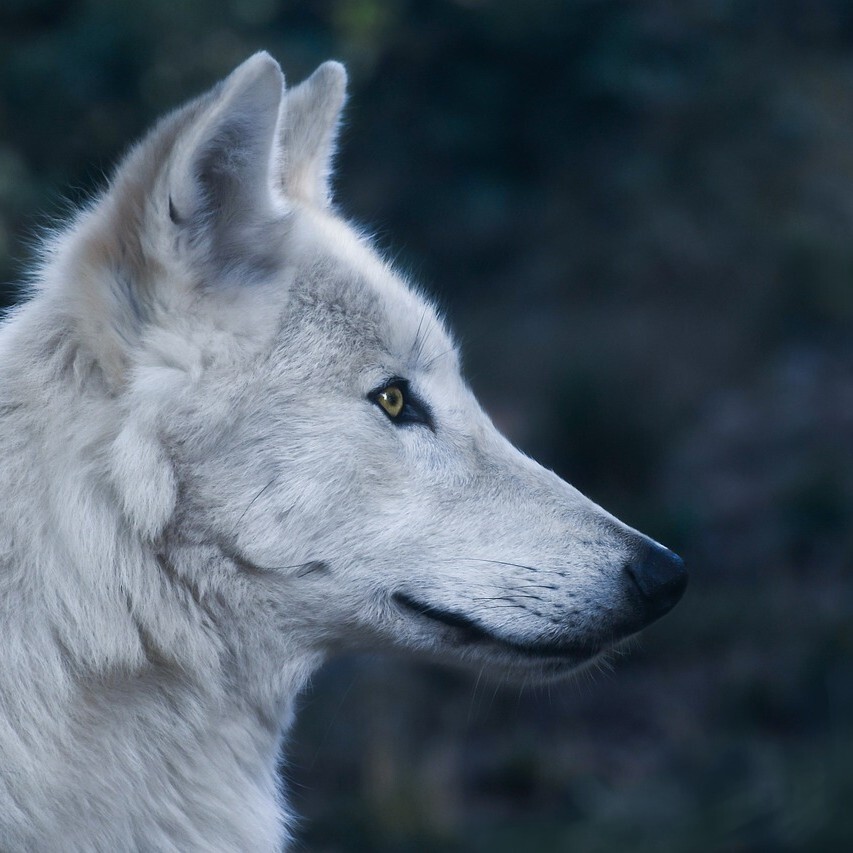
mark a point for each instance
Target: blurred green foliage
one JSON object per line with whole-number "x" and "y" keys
{"x": 639, "y": 217}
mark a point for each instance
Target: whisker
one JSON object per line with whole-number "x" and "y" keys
{"x": 495, "y": 562}
{"x": 547, "y": 586}
{"x": 252, "y": 502}
{"x": 509, "y": 598}
{"x": 418, "y": 343}
{"x": 435, "y": 358}
{"x": 474, "y": 694}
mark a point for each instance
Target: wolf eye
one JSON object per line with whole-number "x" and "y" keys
{"x": 401, "y": 404}
{"x": 392, "y": 400}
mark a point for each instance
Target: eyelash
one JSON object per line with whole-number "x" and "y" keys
{"x": 413, "y": 411}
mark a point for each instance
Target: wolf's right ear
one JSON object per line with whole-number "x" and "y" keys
{"x": 220, "y": 175}
{"x": 309, "y": 127}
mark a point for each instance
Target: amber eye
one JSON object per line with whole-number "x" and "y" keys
{"x": 401, "y": 404}
{"x": 392, "y": 400}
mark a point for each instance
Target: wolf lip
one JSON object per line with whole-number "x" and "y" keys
{"x": 474, "y": 633}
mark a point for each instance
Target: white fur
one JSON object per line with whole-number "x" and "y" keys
{"x": 202, "y": 502}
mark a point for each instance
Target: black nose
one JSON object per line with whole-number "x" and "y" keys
{"x": 660, "y": 577}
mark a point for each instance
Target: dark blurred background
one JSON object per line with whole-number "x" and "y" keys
{"x": 638, "y": 216}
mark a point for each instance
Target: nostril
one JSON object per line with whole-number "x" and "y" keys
{"x": 660, "y": 577}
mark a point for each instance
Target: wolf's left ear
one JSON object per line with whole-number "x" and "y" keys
{"x": 309, "y": 125}
{"x": 221, "y": 175}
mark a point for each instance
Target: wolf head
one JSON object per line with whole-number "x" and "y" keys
{"x": 292, "y": 431}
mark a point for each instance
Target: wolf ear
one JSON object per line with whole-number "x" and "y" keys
{"x": 312, "y": 111}
{"x": 220, "y": 176}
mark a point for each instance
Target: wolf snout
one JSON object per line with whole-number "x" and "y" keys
{"x": 660, "y": 578}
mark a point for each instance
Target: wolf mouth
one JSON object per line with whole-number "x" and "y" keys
{"x": 473, "y": 632}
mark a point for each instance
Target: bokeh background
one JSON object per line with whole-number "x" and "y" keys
{"x": 638, "y": 216}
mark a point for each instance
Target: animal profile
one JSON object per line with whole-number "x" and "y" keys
{"x": 235, "y": 441}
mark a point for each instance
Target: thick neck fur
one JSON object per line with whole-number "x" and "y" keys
{"x": 130, "y": 718}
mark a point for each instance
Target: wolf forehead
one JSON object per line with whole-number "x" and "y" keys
{"x": 354, "y": 297}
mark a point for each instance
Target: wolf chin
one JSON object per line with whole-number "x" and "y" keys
{"x": 234, "y": 442}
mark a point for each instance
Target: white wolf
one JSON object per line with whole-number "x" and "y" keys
{"x": 234, "y": 442}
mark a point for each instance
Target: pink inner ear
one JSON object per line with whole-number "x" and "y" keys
{"x": 311, "y": 115}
